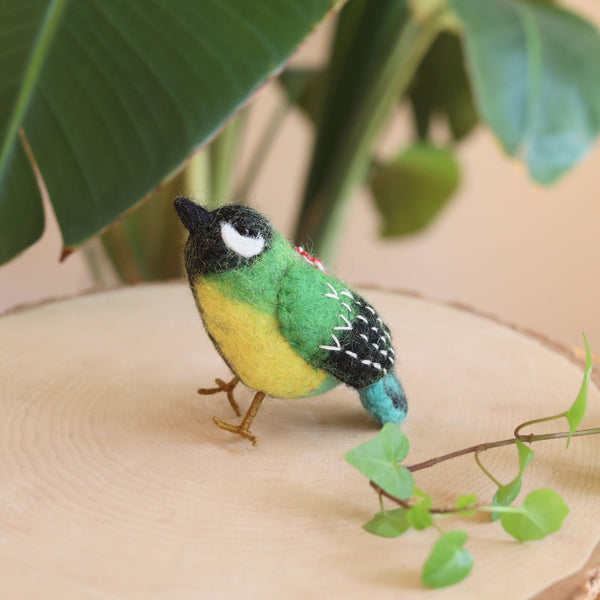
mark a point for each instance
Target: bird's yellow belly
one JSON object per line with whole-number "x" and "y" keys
{"x": 254, "y": 347}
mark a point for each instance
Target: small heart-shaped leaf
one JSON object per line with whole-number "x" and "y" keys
{"x": 543, "y": 512}
{"x": 576, "y": 413}
{"x": 378, "y": 458}
{"x": 506, "y": 494}
{"x": 390, "y": 524}
{"x": 448, "y": 562}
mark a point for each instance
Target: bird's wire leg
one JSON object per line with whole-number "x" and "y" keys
{"x": 243, "y": 428}
{"x": 228, "y": 389}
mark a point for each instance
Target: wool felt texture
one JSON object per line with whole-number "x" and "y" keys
{"x": 253, "y": 346}
{"x": 282, "y": 325}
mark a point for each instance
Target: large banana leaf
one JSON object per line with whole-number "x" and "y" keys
{"x": 112, "y": 95}
{"x": 536, "y": 73}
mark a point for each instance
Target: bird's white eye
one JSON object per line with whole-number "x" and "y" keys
{"x": 246, "y": 246}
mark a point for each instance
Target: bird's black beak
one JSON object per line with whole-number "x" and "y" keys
{"x": 192, "y": 215}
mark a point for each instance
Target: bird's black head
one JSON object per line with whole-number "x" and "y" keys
{"x": 230, "y": 237}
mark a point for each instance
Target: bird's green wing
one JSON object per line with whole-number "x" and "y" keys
{"x": 306, "y": 315}
{"x": 332, "y": 327}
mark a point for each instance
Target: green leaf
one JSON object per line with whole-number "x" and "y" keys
{"x": 425, "y": 498}
{"x": 304, "y": 88}
{"x": 464, "y": 501}
{"x": 378, "y": 458}
{"x": 26, "y": 32}
{"x": 441, "y": 87}
{"x": 536, "y": 76}
{"x": 390, "y": 524}
{"x": 419, "y": 517}
{"x": 448, "y": 562}
{"x": 113, "y": 96}
{"x": 576, "y": 413}
{"x": 411, "y": 190}
{"x": 506, "y": 494}
{"x": 543, "y": 512}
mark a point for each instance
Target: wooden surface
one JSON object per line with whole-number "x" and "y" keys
{"x": 114, "y": 483}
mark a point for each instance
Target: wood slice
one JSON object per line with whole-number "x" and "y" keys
{"x": 114, "y": 482}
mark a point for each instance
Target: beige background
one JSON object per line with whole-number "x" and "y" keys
{"x": 505, "y": 245}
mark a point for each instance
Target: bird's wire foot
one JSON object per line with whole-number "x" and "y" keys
{"x": 245, "y": 433}
{"x": 243, "y": 429}
{"x": 228, "y": 389}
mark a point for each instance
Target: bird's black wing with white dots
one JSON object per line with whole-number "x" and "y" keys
{"x": 333, "y": 328}
{"x": 361, "y": 352}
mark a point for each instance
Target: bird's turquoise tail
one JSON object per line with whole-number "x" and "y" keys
{"x": 385, "y": 400}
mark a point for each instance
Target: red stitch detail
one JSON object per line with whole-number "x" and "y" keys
{"x": 315, "y": 262}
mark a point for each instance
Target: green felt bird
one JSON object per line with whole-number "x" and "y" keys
{"x": 282, "y": 324}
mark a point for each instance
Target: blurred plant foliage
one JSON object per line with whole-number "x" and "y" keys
{"x": 108, "y": 98}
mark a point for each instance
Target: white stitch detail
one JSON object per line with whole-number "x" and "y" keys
{"x": 392, "y": 351}
{"x": 364, "y": 337}
{"x": 374, "y": 329}
{"x": 387, "y": 335}
{"x": 365, "y": 362}
{"x": 384, "y": 352}
{"x": 382, "y": 339}
{"x": 347, "y": 306}
{"x": 369, "y": 308}
{"x": 352, "y": 354}
{"x": 347, "y": 327}
{"x": 380, "y": 321}
{"x": 337, "y": 346}
{"x": 375, "y": 345}
{"x": 385, "y": 371}
{"x": 334, "y": 295}
{"x": 347, "y": 293}
{"x": 362, "y": 318}
{"x": 391, "y": 360}
{"x": 377, "y": 366}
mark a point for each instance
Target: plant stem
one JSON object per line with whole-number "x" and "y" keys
{"x": 482, "y": 467}
{"x": 340, "y": 165}
{"x": 120, "y": 251}
{"x": 196, "y": 178}
{"x": 381, "y": 492}
{"x": 441, "y": 510}
{"x": 489, "y": 445}
{"x": 223, "y": 152}
{"x": 262, "y": 150}
{"x": 517, "y": 430}
{"x": 146, "y": 244}
{"x": 498, "y": 509}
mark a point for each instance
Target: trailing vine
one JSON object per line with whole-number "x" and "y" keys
{"x": 541, "y": 513}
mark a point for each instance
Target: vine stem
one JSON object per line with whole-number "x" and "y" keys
{"x": 442, "y": 510}
{"x": 484, "y": 469}
{"x": 517, "y": 430}
{"x": 477, "y": 449}
{"x": 406, "y": 504}
{"x": 529, "y": 439}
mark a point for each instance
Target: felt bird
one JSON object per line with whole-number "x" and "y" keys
{"x": 283, "y": 325}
